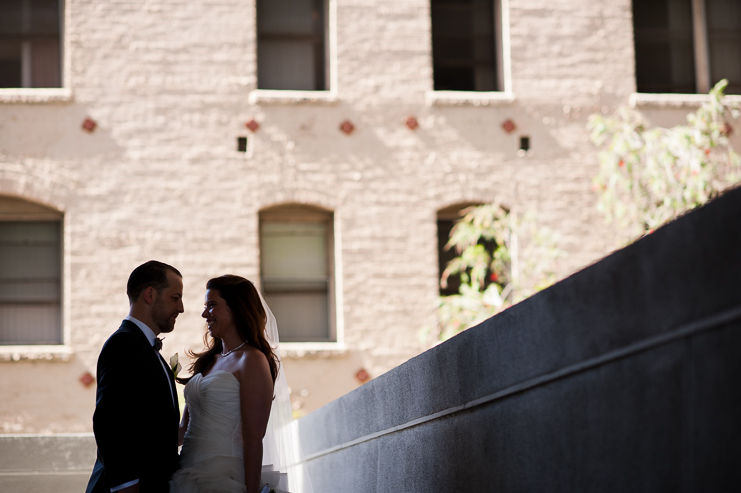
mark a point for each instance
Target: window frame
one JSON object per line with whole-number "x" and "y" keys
{"x": 287, "y": 96}
{"x": 701, "y": 50}
{"x": 449, "y": 213}
{"x": 502, "y": 51}
{"x": 35, "y": 211}
{"x": 43, "y": 95}
{"x": 296, "y": 212}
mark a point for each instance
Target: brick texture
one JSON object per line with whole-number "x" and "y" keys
{"x": 167, "y": 82}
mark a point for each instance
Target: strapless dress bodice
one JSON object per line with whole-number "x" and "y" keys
{"x": 215, "y": 426}
{"x": 211, "y": 460}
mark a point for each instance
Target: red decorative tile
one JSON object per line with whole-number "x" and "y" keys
{"x": 89, "y": 125}
{"x": 87, "y": 379}
{"x": 509, "y": 126}
{"x": 252, "y": 125}
{"x": 347, "y": 127}
{"x": 362, "y": 376}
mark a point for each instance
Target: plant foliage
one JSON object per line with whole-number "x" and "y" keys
{"x": 649, "y": 176}
{"x": 487, "y": 240}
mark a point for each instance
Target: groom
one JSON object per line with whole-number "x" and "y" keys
{"x": 136, "y": 408}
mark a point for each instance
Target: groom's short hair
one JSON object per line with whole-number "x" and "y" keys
{"x": 148, "y": 274}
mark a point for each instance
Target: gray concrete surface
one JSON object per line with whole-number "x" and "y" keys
{"x": 38, "y": 463}
{"x": 623, "y": 377}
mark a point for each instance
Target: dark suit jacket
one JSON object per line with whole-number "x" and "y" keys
{"x": 135, "y": 421}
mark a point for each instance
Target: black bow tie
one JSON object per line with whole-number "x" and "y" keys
{"x": 157, "y": 344}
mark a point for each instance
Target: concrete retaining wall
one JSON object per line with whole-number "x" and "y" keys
{"x": 623, "y": 377}
{"x": 39, "y": 463}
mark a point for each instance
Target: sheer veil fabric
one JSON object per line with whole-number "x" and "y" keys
{"x": 282, "y": 445}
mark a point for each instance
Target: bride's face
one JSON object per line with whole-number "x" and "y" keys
{"x": 217, "y": 314}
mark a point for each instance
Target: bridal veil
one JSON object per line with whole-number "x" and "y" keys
{"x": 282, "y": 444}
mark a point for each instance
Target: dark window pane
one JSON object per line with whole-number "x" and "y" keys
{"x": 10, "y": 73}
{"x": 664, "y": 46}
{"x": 41, "y": 17}
{"x": 452, "y": 50}
{"x": 650, "y": 14}
{"x": 30, "y": 44}
{"x": 11, "y": 16}
{"x": 10, "y": 63}
{"x": 30, "y": 282}
{"x": 463, "y": 45}
{"x": 291, "y": 44}
{"x": 45, "y": 69}
{"x": 444, "y": 226}
{"x": 724, "y": 42}
{"x": 453, "y": 78}
{"x": 45, "y": 16}
{"x": 436, "y": 3}
{"x": 286, "y": 65}
{"x": 452, "y": 21}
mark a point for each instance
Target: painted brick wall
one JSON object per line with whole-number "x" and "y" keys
{"x": 168, "y": 84}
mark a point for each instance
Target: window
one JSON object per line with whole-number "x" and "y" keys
{"x": 297, "y": 271}
{"x": 291, "y": 44}
{"x": 724, "y": 42}
{"x": 30, "y": 47}
{"x": 446, "y": 219}
{"x": 686, "y": 46}
{"x": 466, "y": 45}
{"x": 30, "y": 273}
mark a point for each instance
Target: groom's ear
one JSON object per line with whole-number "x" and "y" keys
{"x": 149, "y": 295}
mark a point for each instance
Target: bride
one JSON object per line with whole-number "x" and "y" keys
{"x": 237, "y": 431}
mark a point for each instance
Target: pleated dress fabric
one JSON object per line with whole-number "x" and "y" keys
{"x": 211, "y": 460}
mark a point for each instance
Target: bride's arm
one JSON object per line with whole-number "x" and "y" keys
{"x": 183, "y": 426}
{"x": 256, "y": 397}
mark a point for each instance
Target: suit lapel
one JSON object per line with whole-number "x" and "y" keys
{"x": 155, "y": 357}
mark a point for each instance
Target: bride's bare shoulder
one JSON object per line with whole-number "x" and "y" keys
{"x": 252, "y": 361}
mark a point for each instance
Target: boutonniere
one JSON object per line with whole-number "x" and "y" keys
{"x": 175, "y": 365}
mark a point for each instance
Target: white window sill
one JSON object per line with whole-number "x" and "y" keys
{"x": 295, "y": 350}
{"x": 36, "y": 96}
{"x": 646, "y": 100}
{"x": 468, "y": 98}
{"x": 270, "y": 96}
{"x": 44, "y": 353}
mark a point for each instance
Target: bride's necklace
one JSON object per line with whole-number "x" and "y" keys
{"x": 231, "y": 351}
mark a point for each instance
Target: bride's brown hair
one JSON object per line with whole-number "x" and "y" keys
{"x": 243, "y": 300}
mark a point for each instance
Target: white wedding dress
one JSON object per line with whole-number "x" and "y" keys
{"x": 211, "y": 460}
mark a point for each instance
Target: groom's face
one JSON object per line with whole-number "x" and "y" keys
{"x": 168, "y": 304}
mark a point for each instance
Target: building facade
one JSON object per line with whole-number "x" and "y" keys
{"x": 309, "y": 145}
